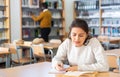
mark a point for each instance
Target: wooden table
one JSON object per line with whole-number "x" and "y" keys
{"x": 42, "y": 70}
{"x": 113, "y": 52}
{"x": 5, "y": 51}
{"x": 47, "y": 45}
{"x": 106, "y": 40}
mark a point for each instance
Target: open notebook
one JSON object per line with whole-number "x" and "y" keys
{"x": 70, "y": 73}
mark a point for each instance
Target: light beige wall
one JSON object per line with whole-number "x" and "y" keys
{"x": 68, "y": 13}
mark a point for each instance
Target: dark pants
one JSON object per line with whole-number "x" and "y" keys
{"x": 45, "y": 33}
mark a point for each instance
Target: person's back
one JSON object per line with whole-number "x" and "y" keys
{"x": 46, "y": 19}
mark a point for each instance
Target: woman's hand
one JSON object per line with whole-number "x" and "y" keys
{"x": 59, "y": 67}
{"x": 72, "y": 68}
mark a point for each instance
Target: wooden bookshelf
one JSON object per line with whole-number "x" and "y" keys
{"x": 29, "y": 27}
{"x": 102, "y": 16}
{"x": 4, "y": 21}
{"x": 58, "y": 18}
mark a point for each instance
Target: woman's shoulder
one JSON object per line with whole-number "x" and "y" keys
{"x": 94, "y": 41}
{"x": 67, "y": 40}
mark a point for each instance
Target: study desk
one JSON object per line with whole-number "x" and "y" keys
{"x": 42, "y": 70}
{"x": 113, "y": 52}
{"x": 47, "y": 45}
{"x": 7, "y": 54}
{"x": 108, "y": 41}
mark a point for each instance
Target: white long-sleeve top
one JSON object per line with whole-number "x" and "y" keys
{"x": 90, "y": 57}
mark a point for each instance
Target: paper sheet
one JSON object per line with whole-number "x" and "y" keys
{"x": 54, "y": 71}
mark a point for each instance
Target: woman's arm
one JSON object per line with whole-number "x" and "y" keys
{"x": 37, "y": 18}
{"x": 101, "y": 63}
{"x": 61, "y": 55}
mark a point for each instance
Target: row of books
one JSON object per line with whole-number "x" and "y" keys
{"x": 110, "y": 31}
{"x": 54, "y": 4}
{"x": 56, "y": 32}
{"x": 56, "y": 24}
{"x": 31, "y": 3}
{"x": 30, "y": 33}
{"x": 30, "y": 23}
{"x": 56, "y": 15}
{"x": 1, "y": 25}
{"x": 110, "y": 2}
{"x": 2, "y": 35}
{"x": 105, "y": 22}
{"x": 26, "y": 13}
{"x": 1, "y": 13}
{"x": 86, "y": 4}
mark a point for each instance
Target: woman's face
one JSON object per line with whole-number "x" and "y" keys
{"x": 78, "y": 36}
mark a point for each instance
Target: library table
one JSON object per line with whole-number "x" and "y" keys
{"x": 109, "y": 41}
{"x": 5, "y": 51}
{"x": 113, "y": 52}
{"x": 42, "y": 70}
{"x": 47, "y": 45}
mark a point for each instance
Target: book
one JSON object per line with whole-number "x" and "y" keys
{"x": 78, "y": 73}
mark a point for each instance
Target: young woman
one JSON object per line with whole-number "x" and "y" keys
{"x": 81, "y": 51}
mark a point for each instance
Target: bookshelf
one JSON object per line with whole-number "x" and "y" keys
{"x": 102, "y": 16}
{"x": 88, "y": 10}
{"x": 29, "y": 28}
{"x": 58, "y": 20}
{"x": 4, "y": 21}
{"x": 110, "y": 16}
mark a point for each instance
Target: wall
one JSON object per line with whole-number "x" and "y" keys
{"x": 15, "y": 19}
{"x": 68, "y": 13}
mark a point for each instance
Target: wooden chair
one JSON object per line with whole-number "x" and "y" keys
{"x": 113, "y": 62}
{"x": 38, "y": 51}
{"x": 16, "y": 58}
{"x": 55, "y": 41}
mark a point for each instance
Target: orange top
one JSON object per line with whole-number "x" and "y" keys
{"x": 45, "y": 18}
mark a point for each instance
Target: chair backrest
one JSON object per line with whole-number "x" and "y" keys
{"x": 58, "y": 41}
{"x": 12, "y": 47}
{"x": 38, "y": 49}
{"x": 112, "y": 61}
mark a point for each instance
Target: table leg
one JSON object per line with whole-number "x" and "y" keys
{"x": 7, "y": 60}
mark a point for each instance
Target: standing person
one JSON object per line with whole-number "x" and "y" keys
{"x": 82, "y": 51}
{"x": 45, "y": 18}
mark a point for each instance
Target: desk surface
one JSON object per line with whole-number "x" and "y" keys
{"x": 46, "y": 45}
{"x": 41, "y": 70}
{"x": 109, "y": 39}
{"x": 113, "y": 52}
{"x": 4, "y": 50}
